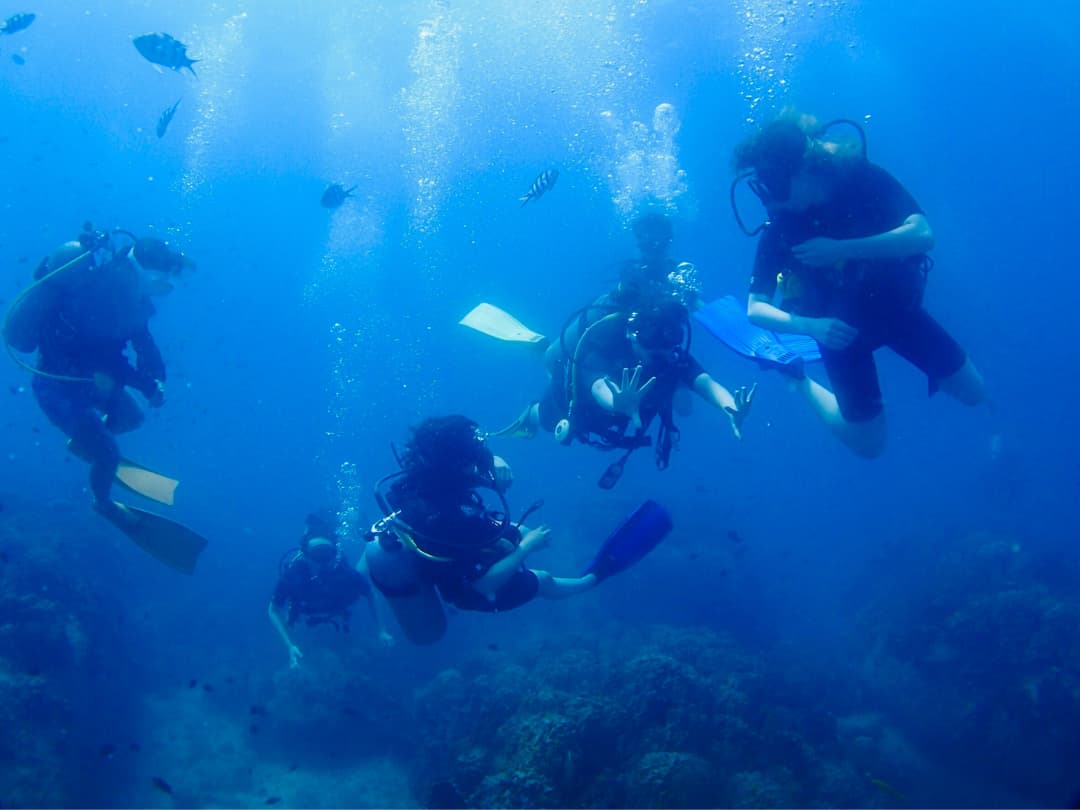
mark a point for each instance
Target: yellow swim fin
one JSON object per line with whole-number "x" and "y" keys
{"x": 165, "y": 540}
{"x": 149, "y": 484}
{"x": 137, "y": 478}
{"x": 500, "y": 325}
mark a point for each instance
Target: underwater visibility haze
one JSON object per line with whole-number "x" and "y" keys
{"x": 314, "y": 196}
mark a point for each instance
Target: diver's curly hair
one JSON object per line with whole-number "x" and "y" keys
{"x": 445, "y": 453}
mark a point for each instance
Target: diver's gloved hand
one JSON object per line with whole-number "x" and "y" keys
{"x": 294, "y": 656}
{"x": 502, "y": 473}
{"x": 626, "y": 398}
{"x": 832, "y": 333}
{"x": 744, "y": 398}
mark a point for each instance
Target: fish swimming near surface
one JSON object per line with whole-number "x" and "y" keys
{"x": 17, "y": 59}
{"x": 164, "y": 50}
{"x": 162, "y": 785}
{"x": 541, "y": 185}
{"x": 165, "y": 119}
{"x": 16, "y": 23}
{"x": 335, "y": 195}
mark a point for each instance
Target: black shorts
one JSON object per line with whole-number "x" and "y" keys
{"x": 521, "y": 588}
{"x": 913, "y": 335}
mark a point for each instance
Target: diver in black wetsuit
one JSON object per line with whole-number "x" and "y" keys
{"x": 846, "y": 246}
{"x": 654, "y": 276}
{"x": 440, "y": 542}
{"x": 621, "y": 374}
{"x": 317, "y": 584}
{"x": 90, "y": 301}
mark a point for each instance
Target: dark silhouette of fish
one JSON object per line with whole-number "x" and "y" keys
{"x": 17, "y": 59}
{"x": 165, "y": 119}
{"x": 16, "y": 23}
{"x": 259, "y": 711}
{"x": 164, "y": 50}
{"x": 162, "y": 785}
{"x": 541, "y": 185}
{"x": 273, "y": 800}
{"x": 106, "y": 751}
{"x": 734, "y": 536}
{"x": 335, "y": 195}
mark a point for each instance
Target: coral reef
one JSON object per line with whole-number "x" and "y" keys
{"x": 652, "y": 717}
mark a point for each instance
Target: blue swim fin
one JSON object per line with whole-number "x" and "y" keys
{"x": 631, "y": 541}
{"x": 725, "y": 319}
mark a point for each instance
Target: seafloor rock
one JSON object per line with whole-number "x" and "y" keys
{"x": 673, "y": 779}
{"x": 643, "y": 718}
{"x": 59, "y": 666}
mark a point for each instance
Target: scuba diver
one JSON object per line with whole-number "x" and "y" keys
{"x": 846, "y": 246}
{"x": 653, "y": 276}
{"x": 612, "y": 374}
{"x": 317, "y": 583}
{"x": 89, "y": 301}
{"x": 441, "y": 541}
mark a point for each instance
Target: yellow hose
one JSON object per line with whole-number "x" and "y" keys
{"x": 15, "y": 305}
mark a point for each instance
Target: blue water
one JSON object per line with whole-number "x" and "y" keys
{"x": 907, "y": 621}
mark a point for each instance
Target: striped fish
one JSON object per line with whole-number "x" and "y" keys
{"x": 540, "y": 186}
{"x": 16, "y": 22}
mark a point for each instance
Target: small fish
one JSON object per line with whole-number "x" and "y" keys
{"x": 273, "y": 800}
{"x": 293, "y": 767}
{"x": 258, "y": 711}
{"x": 541, "y": 185}
{"x": 734, "y": 536}
{"x": 493, "y": 647}
{"x": 164, "y": 50}
{"x": 254, "y": 729}
{"x": 106, "y": 751}
{"x": 17, "y": 59}
{"x": 162, "y": 785}
{"x": 16, "y": 23}
{"x": 207, "y": 688}
{"x": 335, "y": 195}
{"x": 165, "y": 119}
{"x": 192, "y": 683}
{"x": 134, "y": 748}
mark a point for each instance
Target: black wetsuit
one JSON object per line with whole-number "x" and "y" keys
{"x": 463, "y": 540}
{"x": 324, "y": 595}
{"x": 81, "y": 321}
{"x": 605, "y": 353}
{"x": 882, "y": 298}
